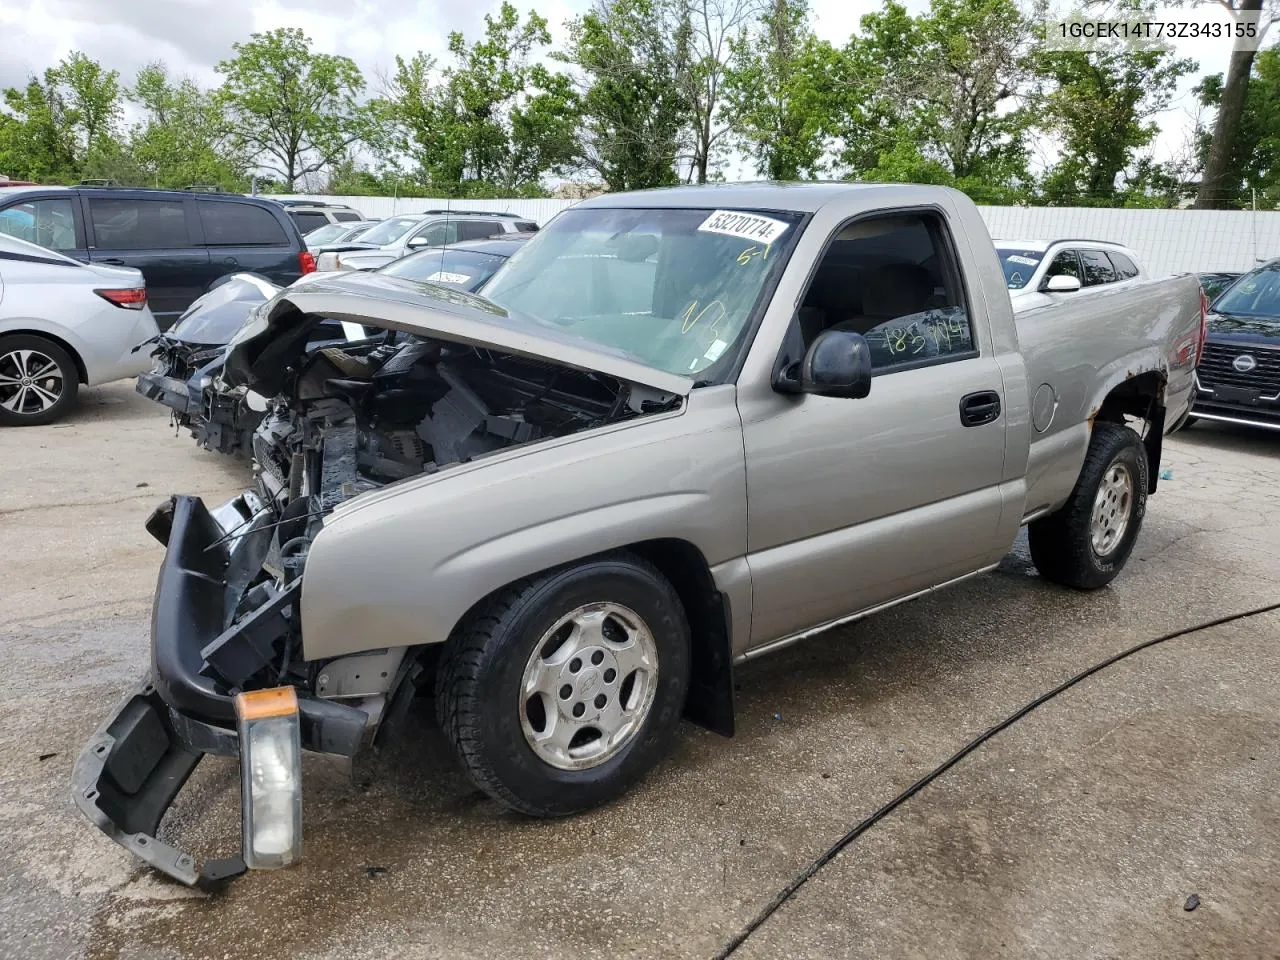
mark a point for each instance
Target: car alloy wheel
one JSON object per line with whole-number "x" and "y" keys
{"x": 31, "y": 382}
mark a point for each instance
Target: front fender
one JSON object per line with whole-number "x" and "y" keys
{"x": 404, "y": 568}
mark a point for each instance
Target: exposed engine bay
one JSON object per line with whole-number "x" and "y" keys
{"x": 363, "y": 415}
{"x": 353, "y": 418}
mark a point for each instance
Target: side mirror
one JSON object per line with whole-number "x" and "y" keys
{"x": 1062, "y": 284}
{"x": 418, "y": 242}
{"x": 837, "y": 364}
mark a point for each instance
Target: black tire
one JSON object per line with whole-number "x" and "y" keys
{"x": 478, "y": 684}
{"x": 67, "y": 379}
{"x": 1061, "y": 544}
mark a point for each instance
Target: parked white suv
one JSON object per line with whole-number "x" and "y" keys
{"x": 396, "y": 237}
{"x": 1039, "y": 271}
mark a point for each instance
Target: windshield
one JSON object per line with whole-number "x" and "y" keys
{"x": 1019, "y": 265}
{"x": 460, "y": 269}
{"x": 330, "y": 231}
{"x": 1255, "y": 295}
{"x": 675, "y": 289}
{"x": 389, "y": 231}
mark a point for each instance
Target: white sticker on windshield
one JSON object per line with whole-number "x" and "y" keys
{"x": 715, "y": 350}
{"x": 747, "y": 226}
{"x": 441, "y": 276}
{"x": 1017, "y": 259}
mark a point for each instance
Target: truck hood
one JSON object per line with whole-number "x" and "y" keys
{"x": 277, "y": 333}
{"x": 1244, "y": 329}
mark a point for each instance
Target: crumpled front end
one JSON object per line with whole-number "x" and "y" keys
{"x": 186, "y": 378}
{"x": 219, "y": 626}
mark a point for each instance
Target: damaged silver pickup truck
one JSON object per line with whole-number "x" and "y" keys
{"x": 677, "y": 430}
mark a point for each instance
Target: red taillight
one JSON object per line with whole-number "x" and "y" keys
{"x": 134, "y": 298}
{"x": 307, "y": 262}
{"x": 1204, "y": 324}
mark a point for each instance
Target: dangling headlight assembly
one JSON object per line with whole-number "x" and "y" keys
{"x": 270, "y": 777}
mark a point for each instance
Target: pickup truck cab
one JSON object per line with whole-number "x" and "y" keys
{"x": 678, "y": 429}
{"x": 1040, "y": 272}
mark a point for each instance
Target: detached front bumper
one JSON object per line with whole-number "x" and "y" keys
{"x": 136, "y": 763}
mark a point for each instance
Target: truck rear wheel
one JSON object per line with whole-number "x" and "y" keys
{"x": 562, "y": 690}
{"x": 1086, "y": 543}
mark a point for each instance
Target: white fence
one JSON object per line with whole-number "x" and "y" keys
{"x": 1167, "y": 241}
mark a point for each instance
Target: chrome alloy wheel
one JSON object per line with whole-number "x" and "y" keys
{"x": 1111, "y": 508}
{"x": 30, "y": 382}
{"x": 589, "y": 686}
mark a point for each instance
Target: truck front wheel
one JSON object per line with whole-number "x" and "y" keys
{"x": 1085, "y": 543}
{"x": 562, "y": 690}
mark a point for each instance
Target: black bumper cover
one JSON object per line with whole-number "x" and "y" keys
{"x": 133, "y": 767}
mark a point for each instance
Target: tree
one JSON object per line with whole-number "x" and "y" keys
{"x": 1253, "y": 159}
{"x": 773, "y": 91}
{"x": 1099, "y": 109}
{"x": 290, "y": 111}
{"x": 60, "y": 124}
{"x": 632, "y": 55}
{"x": 713, "y": 24}
{"x": 1214, "y": 190}
{"x": 494, "y": 121}
{"x": 183, "y": 138}
{"x": 940, "y": 95}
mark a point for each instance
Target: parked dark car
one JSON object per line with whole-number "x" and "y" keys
{"x": 181, "y": 241}
{"x": 189, "y": 357}
{"x": 1213, "y": 284}
{"x": 1238, "y": 377}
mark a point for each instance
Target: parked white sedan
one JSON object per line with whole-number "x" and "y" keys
{"x": 64, "y": 323}
{"x": 1039, "y": 271}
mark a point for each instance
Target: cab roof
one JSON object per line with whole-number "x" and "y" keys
{"x": 764, "y": 195}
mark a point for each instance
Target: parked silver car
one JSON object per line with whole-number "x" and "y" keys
{"x": 396, "y": 237}
{"x": 336, "y": 233}
{"x": 64, "y": 323}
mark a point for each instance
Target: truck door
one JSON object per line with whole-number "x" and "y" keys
{"x": 852, "y": 503}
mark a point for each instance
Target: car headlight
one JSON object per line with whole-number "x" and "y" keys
{"x": 270, "y": 777}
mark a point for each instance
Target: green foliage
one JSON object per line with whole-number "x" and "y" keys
{"x": 942, "y": 91}
{"x": 494, "y": 122}
{"x": 290, "y": 111}
{"x": 183, "y": 139}
{"x": 775, "y": 93}
{"x": 62, "y": 124}
{"x": 632, "y": 54}
{"x": 1254, "y": 156}
{"x": 1099, "y": 108}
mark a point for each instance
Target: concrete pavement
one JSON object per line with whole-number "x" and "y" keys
{"x": 1079, "y": 832}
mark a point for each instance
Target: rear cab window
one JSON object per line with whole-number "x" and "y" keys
{"x": 227, "y": 223}
{"x": 126, "y": 223}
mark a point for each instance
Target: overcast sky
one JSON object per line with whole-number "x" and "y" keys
{"x": 193, "y": 35}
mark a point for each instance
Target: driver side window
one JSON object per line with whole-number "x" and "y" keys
{"x": 1065, "y": 264}
{"x": 895, "y": 281}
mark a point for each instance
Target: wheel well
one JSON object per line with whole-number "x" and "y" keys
{"x": 71, "y": 351}
{"x": 1140, "y": 396}
{"x": 710, "y": 700}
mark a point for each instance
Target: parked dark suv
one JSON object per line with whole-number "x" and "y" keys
{"x": 181, "y": 241}
{"x": 1238, "y": 377}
